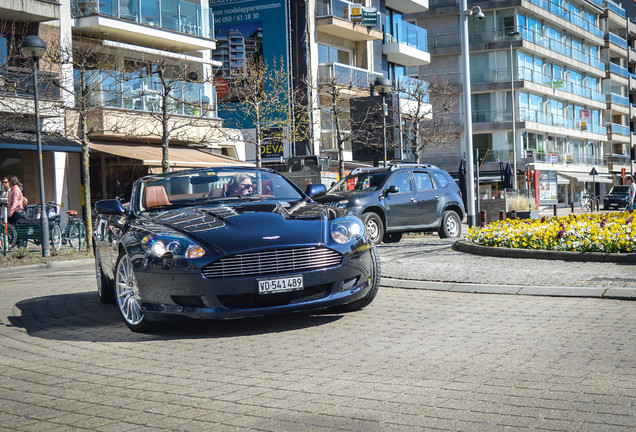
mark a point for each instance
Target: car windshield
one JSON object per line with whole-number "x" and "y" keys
{"x": 365, "y": 181}
{"x": 619, "y": 190}
{"x": 213, "y": 186}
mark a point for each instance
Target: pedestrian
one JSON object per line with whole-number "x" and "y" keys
{"x": 4, "y": 193}
{"x": 16, "y": 209}
{"x": 632, "y": 193}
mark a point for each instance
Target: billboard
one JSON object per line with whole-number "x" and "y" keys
{"x": 243, "y": 29}
{"x": 547, "y": 187}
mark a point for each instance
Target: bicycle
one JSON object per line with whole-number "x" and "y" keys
{"x": 587, "y": 203}
{"x": 74, "y": 233}
{"x": 29, "y": 229}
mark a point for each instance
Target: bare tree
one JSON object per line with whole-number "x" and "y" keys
{"x": 337, "y": 92}
{"x": 429, "y": 113}
{"x": 261, "y": 96}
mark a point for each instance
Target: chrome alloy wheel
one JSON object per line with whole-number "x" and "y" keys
{"x": 127, "y": 292}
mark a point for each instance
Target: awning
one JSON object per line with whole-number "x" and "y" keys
{"x": 585, "y": 177}
{"x": 562, "y": 180}
{"x": 180, "y": 157}
{"x": 28, "y": 141}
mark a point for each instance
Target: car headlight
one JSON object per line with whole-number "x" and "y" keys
{"x": 346, "y": 230}
{"x": 341, "y": 204}
{"x": 177, "y": 246}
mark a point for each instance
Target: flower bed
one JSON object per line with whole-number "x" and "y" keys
{"x": 605, "y": 232}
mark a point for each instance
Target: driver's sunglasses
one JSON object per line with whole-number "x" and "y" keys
{"x": 247, "y": 186}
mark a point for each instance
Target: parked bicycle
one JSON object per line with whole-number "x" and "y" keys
{"x": 74, "y": 233}
{"x": 28, "y": 229}
{"x": 587, "y": 203}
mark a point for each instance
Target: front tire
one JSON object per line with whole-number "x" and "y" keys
{"x": 128, "y": 298}
{"x": 374, "y": 227}
{"x": 105, "y": 290}
{"x": 451, "y": 225}
{"x": 375, "y": 286}
{"x": 56, "y": 237}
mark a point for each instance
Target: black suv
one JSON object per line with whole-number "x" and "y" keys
{"x": 617, "y": 197}
{"x": 400, "y": 198}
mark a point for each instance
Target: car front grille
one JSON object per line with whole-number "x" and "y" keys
{"x": 255, "y": 301}
{"x": 271, "y": 262}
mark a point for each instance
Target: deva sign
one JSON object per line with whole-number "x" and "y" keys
{"x": 272, "y": 150}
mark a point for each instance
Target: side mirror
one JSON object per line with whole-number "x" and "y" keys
{"x": 315, "y": 189}
{"x": 109, "y": 206}
{"x": 391, "y": 189}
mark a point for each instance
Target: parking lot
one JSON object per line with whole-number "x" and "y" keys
{"x": 413, "y": 360}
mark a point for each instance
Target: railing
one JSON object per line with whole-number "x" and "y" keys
{"x": 112, "y": 89}
{"x": 615, "y": 8}
{"x": 488, "y": 36}
{"x": 346, "y": 75}
{"x": 613, "y": 67}
{"x": 557, "y": 9}
{"x": 19, "y": 82}
{"x": 406, "y": 33}
{"x": 180, "y": 15}
{"x": 618, "y": 99}
{"x": 536, "y": 116}
{"x": 546, "y": 157}
{"x": 336, "y": 8}
{"x": 528, "y": 74}
{"x": 617, "y": 40}
{"x": 620, "y": 129}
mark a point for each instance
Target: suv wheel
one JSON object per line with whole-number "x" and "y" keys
{"x": 451, "y": 225}
{"x": 374, "y": 227}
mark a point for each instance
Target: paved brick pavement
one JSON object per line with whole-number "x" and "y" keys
{"x": 414, "y": 360}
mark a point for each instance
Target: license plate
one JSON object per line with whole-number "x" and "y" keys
{"x": 271, "y": 286}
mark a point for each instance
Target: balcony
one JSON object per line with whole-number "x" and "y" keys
{"x": 407, "y": 44}
{"x": 346, "y": 75}
{"x": 29, "y": 10}
{"x": 616, "y": 43}
{"x": 16, "y": 91}
{"x": 408, "y": 6}
{"x": 616, "y": 162}
{"x": 556, "y": 9}
{"x": 616, "y": 99}
{"x": 334, "y": 17}
{"x": 111, "y": 89}
{"x": 159, "y": 24}
{"x": 619, "y": 70}
{"x": 615, "y": 8}
{"x": 615, "y": 128}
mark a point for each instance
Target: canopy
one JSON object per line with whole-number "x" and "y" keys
{"x": 27, "y": 141}
{"x": 585, "y": 177}
{"x": 179, "y": 156}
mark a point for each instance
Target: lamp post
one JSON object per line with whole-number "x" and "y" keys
{"x": 35, "y": 48}
{"x": 383, "y": 86}
{"x": 513, "y": 37}
{"x": 468, "y": 120}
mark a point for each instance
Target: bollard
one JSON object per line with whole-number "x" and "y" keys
{"x": 513, "y": 214}
{"x": 598, "y": 204}
{"x": 572, "y": 206}
{"x": 555, "y": 209}
{"x": 482, "y": 218}
{"x": 502, "y": 215}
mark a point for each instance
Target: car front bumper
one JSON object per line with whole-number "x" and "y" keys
{"x": 165, "y": 291}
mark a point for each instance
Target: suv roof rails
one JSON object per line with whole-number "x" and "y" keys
{"x": 398, "y": 165}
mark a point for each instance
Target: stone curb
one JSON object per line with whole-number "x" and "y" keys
{"x": 46, "y": 265}
{"x": 502, "y": 252}
{"x": 549, "y": 291}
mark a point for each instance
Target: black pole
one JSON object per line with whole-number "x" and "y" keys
{"x": 44, "y": 218}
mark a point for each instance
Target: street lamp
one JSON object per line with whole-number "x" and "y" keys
{"x": 468, "y": 120}
{"x": 513, "y": 37}
{"x": 383, "y": 86}
{"x": 35, "y": 48}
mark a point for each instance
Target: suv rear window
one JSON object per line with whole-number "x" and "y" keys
{"x": 423, "y": 181}
{"x": 442, "y": 180}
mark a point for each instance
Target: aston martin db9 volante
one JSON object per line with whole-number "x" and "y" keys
{"x": 229, "y": 243}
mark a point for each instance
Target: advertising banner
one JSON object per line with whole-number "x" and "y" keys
{"x": 244, "y": 29}
{"x": 547, "y": 187}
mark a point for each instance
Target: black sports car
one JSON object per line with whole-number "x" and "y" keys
{"x": 228, "y": 243}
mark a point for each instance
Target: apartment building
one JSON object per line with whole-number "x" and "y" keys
{"x": 561, "y": 65}
{"x": 18, "y": 148}
{"x": 630, "y": 9}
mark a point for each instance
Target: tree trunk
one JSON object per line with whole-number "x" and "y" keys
{"x": 85, "y": 163}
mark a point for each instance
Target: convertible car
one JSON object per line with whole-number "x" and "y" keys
{"x": 229, "y": 243}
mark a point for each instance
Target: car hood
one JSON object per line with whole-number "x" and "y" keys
{"x": 228, "y": 228}
{"x": 330, "y": 198}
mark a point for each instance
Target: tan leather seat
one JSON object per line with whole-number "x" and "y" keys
{"x": 155, "y": 196}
